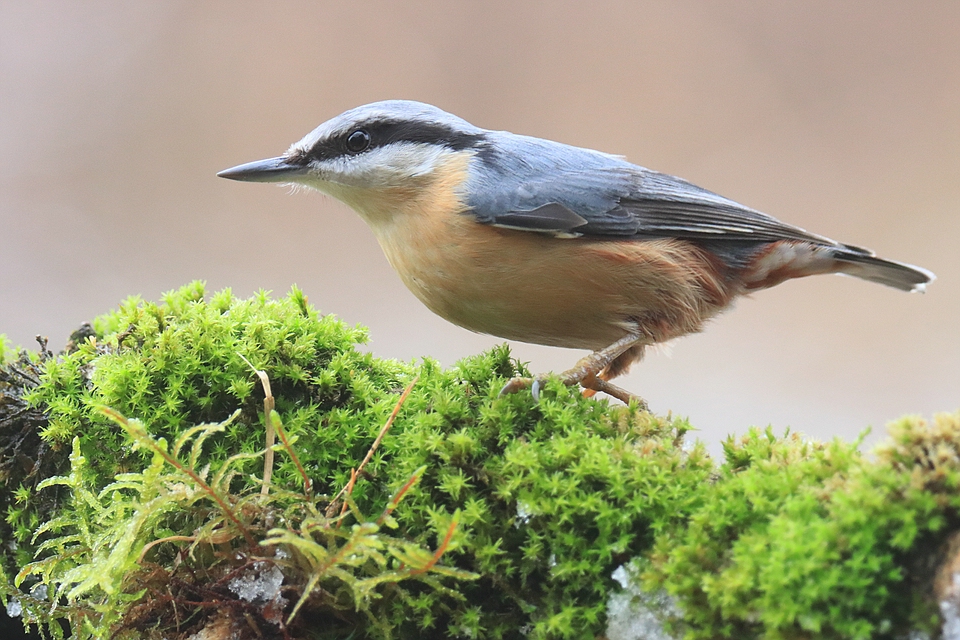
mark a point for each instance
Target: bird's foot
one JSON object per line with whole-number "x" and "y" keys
{"x": 588, "y": 373}
{"x": 573, "y": 376}
{"x": 591, "y": 383}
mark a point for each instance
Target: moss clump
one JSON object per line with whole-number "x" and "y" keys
{"x": 180, "y": 363}
{"x": 476, "y": 516}
{"x": 550, "y": 497}
{"x": 554, "y": 496}
{"x": 798, "y": 539}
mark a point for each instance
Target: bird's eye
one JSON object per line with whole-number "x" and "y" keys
{"x": 358, "y": 141}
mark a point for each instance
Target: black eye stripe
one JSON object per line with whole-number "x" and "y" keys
{"x": 384, "y": 132}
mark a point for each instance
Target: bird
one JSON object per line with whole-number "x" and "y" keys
{"x": 542, "y": 242}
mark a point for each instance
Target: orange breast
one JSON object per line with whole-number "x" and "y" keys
{"x": 580, "y": 292}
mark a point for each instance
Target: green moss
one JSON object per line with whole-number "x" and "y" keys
{"x": 554, "y": 495}
{"x": 499, "y": 517}
{"x": 551, "y": 497}
{"x": 178, "y": 363}
{"x": 798, "y": 539}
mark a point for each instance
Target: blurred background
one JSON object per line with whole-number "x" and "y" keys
{"x": 842, "y": 118}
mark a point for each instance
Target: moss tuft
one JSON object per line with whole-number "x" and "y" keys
{"x": 796, "y": 539}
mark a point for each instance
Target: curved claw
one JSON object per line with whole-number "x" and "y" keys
{"x": 517, "y": 384}
{"x": 513, "y": 385}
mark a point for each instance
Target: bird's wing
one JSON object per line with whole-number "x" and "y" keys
{"x": 583, "y": 192}
{"x": 663, "y": 205}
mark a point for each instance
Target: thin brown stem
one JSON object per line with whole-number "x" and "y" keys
{"x": 268, "y": 405}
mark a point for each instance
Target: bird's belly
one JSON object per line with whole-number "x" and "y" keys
{"x": 580, "y": 292}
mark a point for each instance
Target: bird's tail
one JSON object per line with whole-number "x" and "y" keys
{"x": 862, "y": 263}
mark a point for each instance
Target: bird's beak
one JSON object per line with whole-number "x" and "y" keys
{"x": 269, "y": 170}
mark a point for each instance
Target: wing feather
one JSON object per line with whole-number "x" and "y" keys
{"x": 548, "y": 187}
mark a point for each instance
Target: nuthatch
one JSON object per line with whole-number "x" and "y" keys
{"x": 542, "y": 242}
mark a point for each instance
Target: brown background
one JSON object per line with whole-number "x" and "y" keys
{"x": 843, "y": 118}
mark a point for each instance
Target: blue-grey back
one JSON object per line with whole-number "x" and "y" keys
{"x": 514, "y": 173}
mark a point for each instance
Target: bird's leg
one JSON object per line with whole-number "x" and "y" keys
{"x": 586, "y": 372}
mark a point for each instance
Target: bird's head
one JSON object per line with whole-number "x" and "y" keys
{"x": 374, "y": 154}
